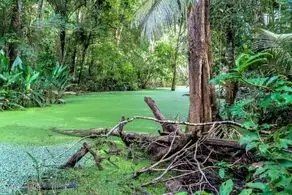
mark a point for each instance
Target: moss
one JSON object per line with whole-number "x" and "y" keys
{"x": 111, "y": 180}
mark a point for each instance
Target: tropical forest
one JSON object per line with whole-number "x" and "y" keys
{"x": 146, "y": 97}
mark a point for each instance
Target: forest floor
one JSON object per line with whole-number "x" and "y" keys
{"x": 25, "y": 133}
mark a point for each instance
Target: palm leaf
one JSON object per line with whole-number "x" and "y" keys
{"x": 279, "y": 44}
{"x": 154, "y": 15}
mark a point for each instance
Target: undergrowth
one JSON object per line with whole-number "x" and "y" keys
{"x": 266, "y": 115}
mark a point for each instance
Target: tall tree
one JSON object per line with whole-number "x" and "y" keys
{"x": 64, "y": 8}
{"x": 176, "y": 55}
{"x": 200, "y": 60}
{"x": 15, "y": 28}
{"x": 200, "y": 64}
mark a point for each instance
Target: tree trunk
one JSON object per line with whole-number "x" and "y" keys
{"x": 40, "y": 13}
{"x": 15, "y": 27}
{"x": 85, "y": 47}
{"x": 90, "y": 73}
{"x": 200, "y": 66}
{"x": 174, "y": 75}
{"x": 73, "y": 61}
{"x": 75, "y": 47}
{"x": 62, "y": 36}
{"x": 231, "y": 87}
{"x": 82, "y": 64}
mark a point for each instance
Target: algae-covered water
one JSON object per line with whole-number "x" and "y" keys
{"x": 31, "y": 126}
{"x": 27, "y": 132}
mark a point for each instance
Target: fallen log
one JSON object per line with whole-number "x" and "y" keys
{"x": 128, "y": 138}
{"x": 224, "y": 143}
{"x": 89, "y": 133}
{"x": 193, "y": 157}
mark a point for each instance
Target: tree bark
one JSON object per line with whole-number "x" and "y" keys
{"x": 231, "y": 87}
{"x": 174, "y": 75}
{"x": 62, "y": 36}
{"x": 15, "y": 27}
{"x": 200, "y": 66}
{"x": 85, "y": 47}
{"x": 73, "y": 61}
{"x": 76, "y": 157}
{"x": 91, "y": 64}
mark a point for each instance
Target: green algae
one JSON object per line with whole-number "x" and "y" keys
{"x": 31, "y": 126}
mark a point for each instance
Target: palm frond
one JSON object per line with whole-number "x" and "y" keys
{"x": 279, "y": 44}
{"x": 267, "y": 40}
{"x": 154, "y": 15}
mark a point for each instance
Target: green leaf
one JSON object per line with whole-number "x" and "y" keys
{"x": 285, "y": 143}
{"x": 263, "y": 148}
{"x": 35, "y": 161}
{"x": 201, "y": 193}
{"x": 239, "y": 108}
{"x": 285, "y": 89}
{"x": 249, "y": 124}
{"x": 266, "y": 126}
{"x": 271, "y": 80}
{"x": 244, "y": 61}
{"x": 17, "y": 64}
{"x": 246, "y": 192}
{"x": 240, "y": 58}
{"x": 222, "y": 78}
{"x": 248, "y": 137}
{"x": 260, "y": 171}
{"x": 226, "y": 187}
{"x": 257, "y": 185}
{"x": 181, "y": 193}
{"x": 257, "y": 81}
{"x": 222, "y": 173}
{"x": 286, "y": 164}
{"x": 251, "y": 145}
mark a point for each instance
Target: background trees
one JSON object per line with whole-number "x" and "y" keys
{"x": 97, "y": 42}
{"x": 79, "y": 34}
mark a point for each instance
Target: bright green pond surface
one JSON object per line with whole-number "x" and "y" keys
{"x": 31, "y": 126}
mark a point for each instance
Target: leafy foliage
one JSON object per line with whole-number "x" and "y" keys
{"x": 267, "y": 118}
{"x": 22, "y": 86}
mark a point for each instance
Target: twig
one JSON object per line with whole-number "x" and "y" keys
{"x": 199, "y": 168}
{"x": 187, "y": 123}
{"x": 186, "y": 174}
{"x": 163, "y": 160}
{"x": 124, "y": 122}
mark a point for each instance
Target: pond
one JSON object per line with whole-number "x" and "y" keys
{"x": 31, "y": 126}
{"x": 26, "y": 134}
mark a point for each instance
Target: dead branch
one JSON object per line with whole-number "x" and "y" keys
{"x": 96, "y": 158}
{"x": 166, "y": 127}
{"x": 76, "y": 157}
